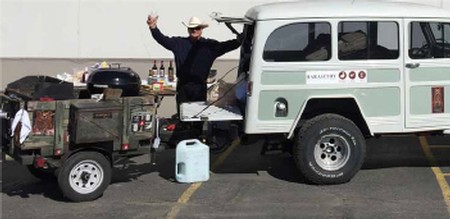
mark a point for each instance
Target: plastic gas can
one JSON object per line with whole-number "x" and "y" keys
{"x": 192, "y": 161}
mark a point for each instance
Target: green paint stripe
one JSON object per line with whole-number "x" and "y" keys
{"x": 374, "y": 102}
{"x": 283, "y": 77}
{"x": 383, "y": 75}
{"x": 420, "y": 99}
{"x": 430, "y": 74}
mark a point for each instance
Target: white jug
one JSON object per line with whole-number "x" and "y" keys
{"x": 192, "y": 161}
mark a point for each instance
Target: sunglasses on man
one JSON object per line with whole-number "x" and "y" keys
{"x": 195, "y": 28}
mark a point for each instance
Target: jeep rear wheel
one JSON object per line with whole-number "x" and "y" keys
{"x": 84, "y": 176}
{"x": 329, "y": 149}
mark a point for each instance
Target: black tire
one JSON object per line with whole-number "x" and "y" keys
{"x": 3, "y": 156}
{"x": 42, "y": 174}
{"x": 220, "y": 136}
{"x": 91, "y": 176}
{"x": 220, "y": 141}
{"x": 329, "y": 149}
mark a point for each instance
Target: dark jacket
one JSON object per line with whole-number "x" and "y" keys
{"x": 193, "y": 60}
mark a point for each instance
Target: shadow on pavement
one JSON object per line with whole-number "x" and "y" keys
{"x": 17, "y": 181}
{"x": 132, "y": 170}
{"x": 246, "y": 159}
{"x": 385, "y": 152}
{"x": 405, "y": 151}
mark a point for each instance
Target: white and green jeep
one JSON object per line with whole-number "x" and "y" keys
{"x": 326, "y": 75}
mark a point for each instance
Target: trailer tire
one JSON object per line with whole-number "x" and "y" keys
{"x": 84, "y": 176}
{"x": 329, "y": 149}
{"x": 42, "y": 174}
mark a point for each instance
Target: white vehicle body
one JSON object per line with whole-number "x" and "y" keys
{"x": 396, "y": 94}
{"x": 324, "y": 75}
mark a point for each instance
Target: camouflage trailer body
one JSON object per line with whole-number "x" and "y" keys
{"x": 63, "y": 127}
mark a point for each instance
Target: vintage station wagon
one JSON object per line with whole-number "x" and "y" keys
{"x": 328, "y": 74}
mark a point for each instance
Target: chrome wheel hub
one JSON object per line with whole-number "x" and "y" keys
{"x": 332, "y": 152}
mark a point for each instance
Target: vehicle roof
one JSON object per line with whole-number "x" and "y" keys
{"x": 344, "y": 9}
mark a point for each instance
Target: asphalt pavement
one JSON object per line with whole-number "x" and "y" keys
{"x": 402, "y": 177}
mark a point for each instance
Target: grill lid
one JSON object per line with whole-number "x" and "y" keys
{"x": 121, "y": 77}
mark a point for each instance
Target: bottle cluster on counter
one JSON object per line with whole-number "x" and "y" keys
{"x": 158, "y": 78}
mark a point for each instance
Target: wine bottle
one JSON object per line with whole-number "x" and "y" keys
{"x": 162, "y": 70}
{"x": 170, "y": 72}
{"x": 154, "y": 70}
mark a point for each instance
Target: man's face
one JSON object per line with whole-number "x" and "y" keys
{"x": 195, "y": 33}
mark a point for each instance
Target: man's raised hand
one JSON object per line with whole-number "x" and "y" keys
{"x": 152, "y": 20}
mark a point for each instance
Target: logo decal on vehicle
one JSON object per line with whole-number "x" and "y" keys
{"x": 362, "y": 75}
{"x": 352, "y": 75}
{"x": 342, "y": 75}
{"x": 437, "y": 94}
{"x": 336, "y": 77}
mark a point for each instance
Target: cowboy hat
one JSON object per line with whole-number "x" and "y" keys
{"x": 195, "y": 22}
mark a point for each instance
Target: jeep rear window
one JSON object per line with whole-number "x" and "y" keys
{"x": 361, "y": 40}
{"x": 299, "y": 42}
{"x": 246, "y": 48}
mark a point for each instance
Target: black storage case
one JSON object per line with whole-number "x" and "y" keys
{"x": 39, "y": 86}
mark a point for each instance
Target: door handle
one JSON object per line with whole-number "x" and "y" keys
{"x": 412, "y": 65}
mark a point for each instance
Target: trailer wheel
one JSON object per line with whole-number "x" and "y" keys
{"x": 329, "y": 149}
{"x": 84, "y": 176}
{"x": 41, "y": 174}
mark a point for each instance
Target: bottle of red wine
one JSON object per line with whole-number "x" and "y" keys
{"x": 170, "y": 72}
{"x": 152, "y": 73}
{"x": 162, "y": 70}
{"x": 154, "y": 69}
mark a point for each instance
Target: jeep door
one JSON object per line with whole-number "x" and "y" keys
{"x": 427, "y": 69}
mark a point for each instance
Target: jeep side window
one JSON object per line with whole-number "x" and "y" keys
{"x": 299, "y": 42}
{"x": 429, "y": 40}
{"x": 368, "y": 40}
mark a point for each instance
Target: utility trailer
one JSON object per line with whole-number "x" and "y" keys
{"x": 76, "y": 140}
{"x": 56, "y": 129}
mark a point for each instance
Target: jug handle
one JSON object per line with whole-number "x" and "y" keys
{"x": 192, "y": 142}
{"x": 178, "y": 169}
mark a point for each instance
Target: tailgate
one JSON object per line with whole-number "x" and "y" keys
{"x": 201, "y": 111}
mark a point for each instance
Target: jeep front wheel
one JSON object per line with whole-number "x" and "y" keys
{"x": 329, "y": 149}
{"x": 84, "y": 176}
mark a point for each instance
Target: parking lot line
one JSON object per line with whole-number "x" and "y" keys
{"x": 440, "y": 176}
{"x": 225, "y": 154}
{"x": 184, "y": 198}
{"x": 8, "y": 158}
{"x": 440, "y": 146}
